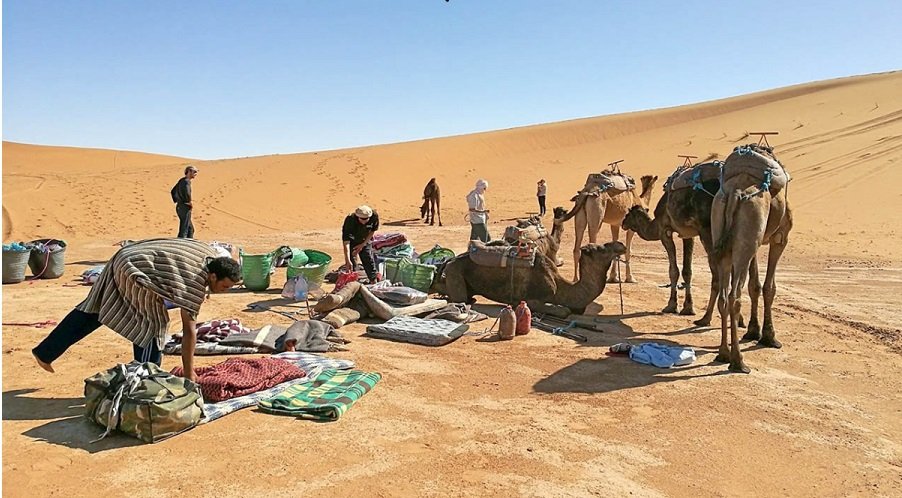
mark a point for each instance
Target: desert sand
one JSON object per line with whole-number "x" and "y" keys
{"x": 537, "y": 416}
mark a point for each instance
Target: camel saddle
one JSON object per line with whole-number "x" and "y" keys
{"x": 609, "y": 180}
{"x": 757, "y": 162}
{"x": 522, "y": 255}
{"x": 525, "y": 230}
{"x": 693, "y": 177}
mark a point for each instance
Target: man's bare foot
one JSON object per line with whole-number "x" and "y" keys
{"x": 45, "y": 366}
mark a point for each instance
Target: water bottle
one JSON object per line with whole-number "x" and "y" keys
{"x": 507, "y": 325}
{"x": 524, "y": 319}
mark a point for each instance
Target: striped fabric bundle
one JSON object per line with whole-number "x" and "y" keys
{"x": 129, "y": 294}
{"x": 325, "y": 399}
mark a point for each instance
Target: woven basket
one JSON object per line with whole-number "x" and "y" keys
{"x": 14, "y": 263}
{"x": 47, "y": 265}
{"x": 315, "y": 269}
{"x": 406, "y": 272}
{"x": 256, "y": 270}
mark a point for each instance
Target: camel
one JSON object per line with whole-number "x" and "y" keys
{"x": 432, "y": 201}
{"x": 685, "y": 212}
{"x": 748, "y": 211}
{"x": 541, "y": 286}
{"x": 549, "y": 244}
{"x": 609, "y": 207}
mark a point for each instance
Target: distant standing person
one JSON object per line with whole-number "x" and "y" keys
{"x": 479, "y": 215}
{"x": 356, "y": 237}
{"x": 181, "y": 196}
{"x": 129, "y": 297}
{"x": 540, "y": 193}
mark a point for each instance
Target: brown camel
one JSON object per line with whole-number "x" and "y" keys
{"x": 549, "y": 244}
{"x": 432, "y": 202}
{"x": 750, "y": 209}
{"x": 609, "y": 206}
{"x": 684, "y": 210}
{"x": 541, "y": 286}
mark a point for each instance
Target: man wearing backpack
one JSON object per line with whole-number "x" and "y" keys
{"x": 181, "y": 196}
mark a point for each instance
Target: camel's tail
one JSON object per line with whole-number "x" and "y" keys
{"x": 729, "y": 215}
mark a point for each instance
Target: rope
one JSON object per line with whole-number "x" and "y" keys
{"x": 620, "y": 284}
{"x": 40, "y": 325}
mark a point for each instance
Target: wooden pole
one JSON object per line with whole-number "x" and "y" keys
{"x": 763, "y": 138}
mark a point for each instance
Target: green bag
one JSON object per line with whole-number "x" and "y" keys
{"x": 406, "y": 272}
{"x": 436, "y": 256}
{"x": 143, "y": 401}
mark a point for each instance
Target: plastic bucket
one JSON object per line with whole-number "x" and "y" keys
{"x": 47, "y": 264}
{"x": 314, "y": 271}
{"x": 255, "y": 270}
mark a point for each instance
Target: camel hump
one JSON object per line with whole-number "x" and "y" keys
{"x": 519, "y": 256}
{"x": 692, "y": 177}
{"x": 758, "y": 163}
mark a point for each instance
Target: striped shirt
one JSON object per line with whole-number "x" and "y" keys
{"x": 129, "y": 294}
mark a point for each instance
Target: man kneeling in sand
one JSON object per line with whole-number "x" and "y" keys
{"x": 128, "y": 298}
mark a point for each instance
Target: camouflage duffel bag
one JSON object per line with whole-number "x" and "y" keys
{"x": 141, "y": 400}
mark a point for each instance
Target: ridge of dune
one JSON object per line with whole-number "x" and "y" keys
{"x": 839, "y": 138}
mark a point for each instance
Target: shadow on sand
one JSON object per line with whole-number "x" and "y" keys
{"x": 405, "y": 223}
{"x": 67, "y": 426}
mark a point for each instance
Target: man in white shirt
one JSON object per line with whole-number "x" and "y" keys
{"x": 479, "y": 215}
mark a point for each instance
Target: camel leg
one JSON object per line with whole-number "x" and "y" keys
{"x": 555, "y": 310}
{"x": 456, "y": 285}
{"x": 688, "y": 246}
{"x": 768, "y": 334}
{"x": 712, "y": 266}
{"x": 580, "y": 225}
{"x": 723, "y": 283}
{"x": 614, "y": 277}
{"x": 754, "y": 330}
{"x": 432, "y": 211}
{"x": 740, "y": 269}
{"x": 673, "y": 270}
{"x": 627, "y": 256}
{"x": 438, "y": 209}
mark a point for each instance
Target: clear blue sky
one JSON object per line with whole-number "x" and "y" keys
{"x": 215, "y": 79}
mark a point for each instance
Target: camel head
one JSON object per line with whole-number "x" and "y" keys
{"x": 648, "y": 183}
{"x": 633, "y": 216}
{"x": 560, "y": 215}
{"x": 597, "y": 258}
{"x": 424, "y": 208}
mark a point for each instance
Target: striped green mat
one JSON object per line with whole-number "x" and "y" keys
{"x": 327, "y": 398}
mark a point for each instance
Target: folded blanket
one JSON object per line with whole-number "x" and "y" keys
{"x": 456, "y": 312}
{"x": 659, "y": 355}
{"x": 215, "y": 330}
{"x": 303, "y": 335}
{"x": 311, "y": 364}
{"x": 239, "y": 376}
{"x": 327, "y": 398}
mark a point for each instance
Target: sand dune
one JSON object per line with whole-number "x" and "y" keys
{"x": 839, "y": 138}
{"x": 537, "y": 416}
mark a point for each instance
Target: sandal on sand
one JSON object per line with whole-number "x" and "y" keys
{"x": 621, "y": 347}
